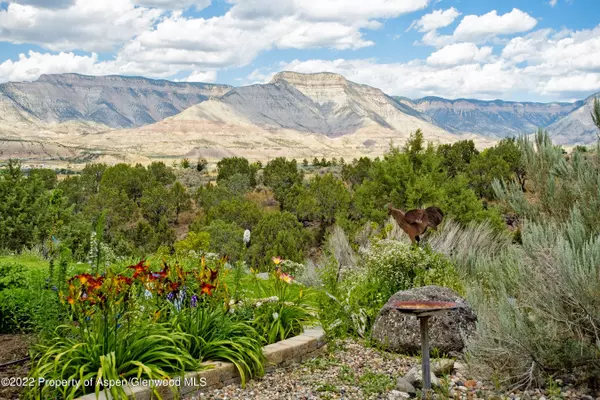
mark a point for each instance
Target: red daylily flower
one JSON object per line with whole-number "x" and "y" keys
{"x": 214, "y": 274}
{"x": 140, "y": 268}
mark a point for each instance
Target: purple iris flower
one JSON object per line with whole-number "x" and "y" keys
{"x": 194, "y": 301}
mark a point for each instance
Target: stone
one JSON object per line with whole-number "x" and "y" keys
{"x": 398, "y": 332}
{"x": 415, "y": 377}
{"x": 397, "y": 395}
{"x": 405, "y": 386}
{"x": 471, "y": 384}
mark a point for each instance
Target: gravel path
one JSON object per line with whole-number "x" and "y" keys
{"x": 350, "y": 370}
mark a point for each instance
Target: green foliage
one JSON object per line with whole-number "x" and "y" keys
{"x": 277, "y": 234}
{"x": 216, "y": 336}
{"x": 240, "y": 211}
{"x": 358, "y": 171}
{"x": 225, "y": 238}
{"x": 106, "y": 350}
{"x": 185, "y": 163}
{"x": 324, "y": 197}
{"x": 457, "y": 156}
{"x": 180, "y": 199}
{"x": 353, "y": 299}
{"x": 596, "y": 114}
{"x": 280, "y": 175}
{"x": 195, "y": 241}
{"x": 228, "y": 167}
{"x": 282, "y": 309}
{"x": 536, "y": 299}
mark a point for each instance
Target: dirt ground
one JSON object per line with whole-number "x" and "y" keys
{"x": 13, "y": 347}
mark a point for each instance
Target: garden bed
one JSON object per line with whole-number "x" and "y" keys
{"x": 219, "y": 374}
{"x": 12, "y": 348}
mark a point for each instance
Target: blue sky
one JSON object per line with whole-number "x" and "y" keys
{"x": 528, "y": 50}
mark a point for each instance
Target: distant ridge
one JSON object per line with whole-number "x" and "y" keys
{"x": 490, "y": 117}
{"x": 113, "y": 101}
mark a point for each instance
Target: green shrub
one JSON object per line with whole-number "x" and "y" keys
{"x": 354, "y": 296}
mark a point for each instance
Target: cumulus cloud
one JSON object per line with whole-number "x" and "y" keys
{"x": 47, "y": 3}
{"x": 482, "y": 28}
{"x": 202, "y": 76}
{"x": 88, "y": 25}
{"x": 29, "y": 67}
{"x": 459, "y": 53}
{"x": 553, "y": 3}
{"x": 435, "y": 20}
{"x": 473, "y": 27}
{"x": 544, "y": 64}
{"x": 330, "y": 10}
{"x": 174, "y": 4}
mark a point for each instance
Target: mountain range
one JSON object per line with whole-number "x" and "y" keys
{"x": 77, "y": 117}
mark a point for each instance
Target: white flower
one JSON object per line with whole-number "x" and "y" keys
{"x": 258, "y": 304}
{"x": 148, "y": 294}
{"x": 275, "y": 316}
{"x": 247, "y": 236}
{"x": 231, "y": 302}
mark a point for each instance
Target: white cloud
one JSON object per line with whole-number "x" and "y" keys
{"x": 325, "y": 10}
{"x": 557, "y": 52}
{"x": 477, "y": 28}
{"x": 89, "y": 25}
{"x": 459, "y": 53}
{"x": 474, "y": 27}
{"x": 30, "y": 67}
{"x": 202, "y": 76}
{"x": 435, "y": 20}
{"x": 174, "y": 4}
{"x": 544, "y": 65}
{"x": 47, "y": 3}
{"x": 553, "y": 3}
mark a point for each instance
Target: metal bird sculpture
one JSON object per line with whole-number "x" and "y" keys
{"x": 416, "y": 222}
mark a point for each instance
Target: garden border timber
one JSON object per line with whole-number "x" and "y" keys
{"x": 282, "y": 354}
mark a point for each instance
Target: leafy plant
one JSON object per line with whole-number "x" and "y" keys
{"x": 214, "y": 335}
{"x": 283, "y": 308}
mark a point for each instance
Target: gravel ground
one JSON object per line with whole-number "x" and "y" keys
{"x": 350, "y": 370}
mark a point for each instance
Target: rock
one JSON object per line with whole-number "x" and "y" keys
{"x": 398, "y": 394}
{"x": 471, "y": 384}
{"x": 404, "y": 385}
{"x": 401, "y": 333}
{"x": 461, "y": 369}
{"x": 263, "y": 276}
{"x": 442, "y": 367}
{"x": 415, "y": 377}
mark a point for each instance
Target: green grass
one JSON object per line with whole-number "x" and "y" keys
{"x": 29, "y": 261}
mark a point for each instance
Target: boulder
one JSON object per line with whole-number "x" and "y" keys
{"x": 401, "y": 333}
{"x": 404, "y": 386}
{"x": 415, "y": 377}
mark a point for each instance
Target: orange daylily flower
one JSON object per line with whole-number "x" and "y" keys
{"x": 207, "y": 288}
{"x": 70, "y": 300}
